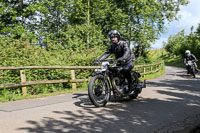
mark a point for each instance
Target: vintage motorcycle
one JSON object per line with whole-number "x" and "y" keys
{"x": 108, "y": 79}
{"x": 191, "y": 68}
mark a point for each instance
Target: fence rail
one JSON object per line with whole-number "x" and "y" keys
{"x": 48, "y": 67}
{"x": 73, "y": 80}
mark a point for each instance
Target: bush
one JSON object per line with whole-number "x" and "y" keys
{"x": 22, "y": 53}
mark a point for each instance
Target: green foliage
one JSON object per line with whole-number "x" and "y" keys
{"x": 71, "y": 32}
{"x": 75, "y": 24}
{"x": 179, "y": 43}
{"x": 176, "y": 42}
{"x": 22, "y": 53}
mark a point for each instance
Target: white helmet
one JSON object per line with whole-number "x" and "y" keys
{"x": 187, "y": 52}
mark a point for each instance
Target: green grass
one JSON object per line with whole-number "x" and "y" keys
{"x": 172, "y": 60}
{"x": 154, "y": 75}
{"x": 156, "y": 54}
{"x": 14, "y": 97}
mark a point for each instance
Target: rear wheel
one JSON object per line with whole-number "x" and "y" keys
{"x": 98, "y": 91}
{"x": 135, "y": 77}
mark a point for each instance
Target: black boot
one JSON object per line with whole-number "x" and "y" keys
{"x": 187, "y": 71}
{"x": 197, "y": 70}
{"x": 131, "y": 86}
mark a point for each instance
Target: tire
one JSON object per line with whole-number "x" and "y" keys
{"x": 136, "y": 82}
{"x": 193, "y": 72}
{"x": 99, "y": 92}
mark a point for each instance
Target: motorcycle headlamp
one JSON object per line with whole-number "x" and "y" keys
{"x": 104, "y": 65}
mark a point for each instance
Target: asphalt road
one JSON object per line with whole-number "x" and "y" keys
{"x": 169, "y": 104}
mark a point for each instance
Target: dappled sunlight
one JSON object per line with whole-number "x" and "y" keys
{"x": 193, "y": 104}
{"x": 164, "y": 102}
{"x": 128, "y": 116}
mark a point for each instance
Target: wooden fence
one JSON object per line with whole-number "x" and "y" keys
{"x": 143, "y": 69}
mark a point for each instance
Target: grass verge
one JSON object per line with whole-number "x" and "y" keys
{"x": 154, "y": 75}
{"x": 13, "y": 97}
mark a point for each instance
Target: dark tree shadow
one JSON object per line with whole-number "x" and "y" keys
{"x": 84, "y": 101}
{"x": 143, "y": 115}
{"x": 183, "y": 73}
{"x": 136, "y": 116}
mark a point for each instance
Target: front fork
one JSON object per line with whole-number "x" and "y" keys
{"x": 106, "y": 83}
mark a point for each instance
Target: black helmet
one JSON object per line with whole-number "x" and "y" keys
{"x": 114, "y": 33}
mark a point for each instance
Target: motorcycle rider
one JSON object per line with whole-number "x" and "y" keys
{"x": 190, "y": 57}
{"x": 123, "y": 54}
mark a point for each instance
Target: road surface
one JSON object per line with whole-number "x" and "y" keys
{"x": 169, "y": 104}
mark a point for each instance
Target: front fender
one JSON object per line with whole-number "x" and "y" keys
{"x": 100, "y": 73}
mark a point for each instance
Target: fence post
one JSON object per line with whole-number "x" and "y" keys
{"x": 156, "y": 67}
{"x": 73, "y": 77}
{"x": 144, "y": 71}
{"x": 161, "y": 64}
{"x": 159, "y": 67}
{"x": 23, "y": 79}
{"x": 150, "y": 68}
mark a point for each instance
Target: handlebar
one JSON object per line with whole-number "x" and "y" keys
{"x": 116, "y": 65}
{"x": 110, "y": 60}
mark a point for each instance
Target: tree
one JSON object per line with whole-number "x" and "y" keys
{"x": 14, "y": 17}
{"x": 141, "y": 21}
{"x": 179, "y": 43}
{"x": 65, "y": 22}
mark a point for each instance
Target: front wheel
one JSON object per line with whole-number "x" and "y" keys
{"x": 99, "y": 91}
{"x": 193, "y": 72}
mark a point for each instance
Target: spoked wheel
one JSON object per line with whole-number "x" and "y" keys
{"x": 98, "y": 91}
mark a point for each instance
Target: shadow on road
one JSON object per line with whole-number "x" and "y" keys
{"x": 139, "y": 116}
{"x": 83, "y": 100}
{"x": 143, "y": 115}
{"x": 183, "y": 74}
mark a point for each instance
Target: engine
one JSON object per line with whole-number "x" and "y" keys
{"x": 120, "y": 85}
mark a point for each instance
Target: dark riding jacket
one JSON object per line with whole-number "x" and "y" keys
{"x": 189, "y": 58}
{"x": 121, "y": 51}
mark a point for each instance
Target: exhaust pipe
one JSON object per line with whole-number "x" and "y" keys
{"x": 141, "y": 85}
